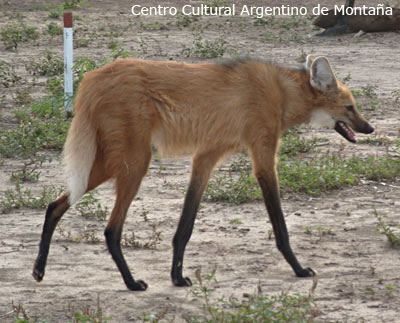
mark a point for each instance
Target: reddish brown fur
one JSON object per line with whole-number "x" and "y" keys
{"x": 207, "y": 110}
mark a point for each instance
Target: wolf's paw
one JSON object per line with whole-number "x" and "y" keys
{"x": 138, "y": 285}
{"x": 182, "y": 282}
{"x": 306, "y": 272}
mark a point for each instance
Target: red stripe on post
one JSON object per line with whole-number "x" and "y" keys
{"x": 67, "y": 19}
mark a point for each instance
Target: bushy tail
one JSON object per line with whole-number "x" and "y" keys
{"x": 79, "y": 154}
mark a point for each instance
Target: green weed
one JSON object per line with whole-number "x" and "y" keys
{"x": 133, "y": 241}
{"x": 8, "y": 76}
{"x": 86, "y": 313}
{"x": 235, "y": 221}
{"x": 81, "y": 43}
{"x": 19, "y": 198}
{"x": 235, "y": 187}
{"x": 293, "y": 145}
{"x": 257, "y": 307}
{"x": 186, "y": 20}
{"x": 49, "y": 65}
{"x": 56, "y": 12}
{"x": 384, "y": 228}
{"x": 90, "y": 207}
{"x": 13, "y": 34}
{"x": 75, "y": 4}
{"x": 206, "y": 48}
{"x": 54, "y": 29}
{"x": 309, "y": 176}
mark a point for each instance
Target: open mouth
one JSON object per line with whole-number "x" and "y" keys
{"x": 342, "y": 128}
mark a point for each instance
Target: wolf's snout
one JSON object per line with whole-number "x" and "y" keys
{"x": 368, "y": 129}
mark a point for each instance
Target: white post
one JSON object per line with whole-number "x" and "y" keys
{"x": 68, "y": 62}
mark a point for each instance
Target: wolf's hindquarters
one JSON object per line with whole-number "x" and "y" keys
{"x": 79, "y": 155}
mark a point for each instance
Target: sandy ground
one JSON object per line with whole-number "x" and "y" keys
{"x": 355, "y": 264}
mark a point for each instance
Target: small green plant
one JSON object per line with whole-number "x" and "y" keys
{"x": 119, "y": 52}
{"x": 81, "y": 43}
{"x": 74, "y": 4}
{"x": 90, "y": 207}
{"x": 54, "y": 29}
{"x": 23, "y": 96}
{"x": 376, "y": 141}
{"x": 390, "y": 289}
{"x": 235, "y": 221}
{"x": 49, "y": 65}
{"x": 86, "y": 313}
{"x": 13, "y": 34}
{"x": 257, "y": 308}
{"x": 308, "y": 230}
{"x": 292, "y": 144}
{"x": 86, "y": 236}
{"x": 8, "y": 76}
{"x": 217, "y": 3}
{"x": 369, "y": 90}
{"x": 56, "y": 12}
{"x": 151, "y": 242}
{"x": 372, "y": 270}
{"x": 260, "y": 22}
{"x": 232, "y": 188}
{"x": 20, "y": 314}
{"x": 384, "y": 228}
{"x": 19, "y": 197}
{"x": 186, "y": 20}
{"x": 28, "y": 173}
{"x": 206, "y": 48}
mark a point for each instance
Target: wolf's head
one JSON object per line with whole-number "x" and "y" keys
{"x": 334, "y": 105}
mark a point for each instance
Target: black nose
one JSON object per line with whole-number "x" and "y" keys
{"x": 369, "y": 129}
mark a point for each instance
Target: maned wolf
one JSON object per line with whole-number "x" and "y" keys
{"x": 207, "y": 110}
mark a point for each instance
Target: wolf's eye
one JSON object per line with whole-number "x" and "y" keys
{"x": 350, "y": 108}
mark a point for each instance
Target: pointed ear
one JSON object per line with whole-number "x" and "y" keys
{"x": 321, "y": 75}
{"x": 309, "y": 60}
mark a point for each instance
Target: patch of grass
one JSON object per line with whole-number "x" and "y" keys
{"x": 186, "y": 20}
{"x": 133, "y": 241}
{"x": 54, "y": 29}
{"x": 49, "y": 64}
{"x": 154, "y": 27}
{"x": 293, "y": 145}
{"x": 20, "y": 197}
{"x": 235, "y": 221}
{"x": 86, "y": 313}
{"x": 81, "y": 43}
{"x": 23, "y": 97}
{"x": 87, "y": 236}
{"x": 56, "y": 12}
{"x": 257, "y": 307}
{"x": 309, "y": 176}
{"x": 13, "y": 34}
{"x": 376, "y": 141}
{"x": 8, "y": 76}
{"x": 217, "y": 3}
{"x": 75, "y": 4}
{"x": 384, "y": 228}
{"x": 329, "y": 172}
{"x": 43, "y": 125}
{"x": 119, "y": 52}
{"x": 319, "y": 231}
{"x": 206, "y": 48}
{"x": 369, "y": 90}
{"x": 20, "y": 314}
{"x": 234, "y": 187}
{"x": 90, "y": 207}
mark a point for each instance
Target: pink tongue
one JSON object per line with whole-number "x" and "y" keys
{"x": 349, "y": 132}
